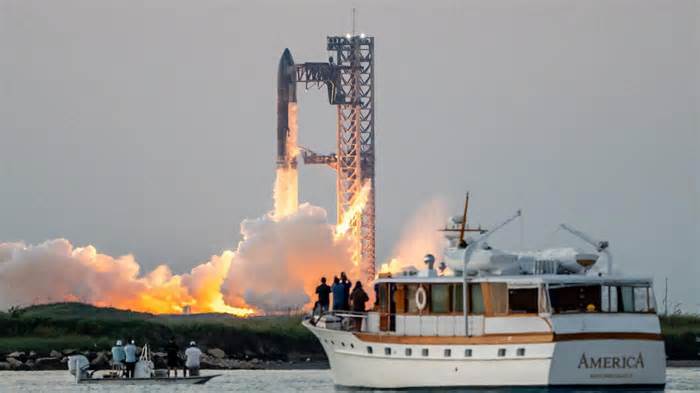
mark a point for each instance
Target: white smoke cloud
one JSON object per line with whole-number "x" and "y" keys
{"x": 276, "y": 266}
{"x": 420, "y": 236}
{"x": 56, "y": 271}
{"x": 280, "y": 260}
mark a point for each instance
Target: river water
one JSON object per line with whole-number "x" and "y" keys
{"x": 262, "y": 381}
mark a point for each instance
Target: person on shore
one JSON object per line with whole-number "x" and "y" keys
{"x": 173, "y": 361}
{"x": 338, "y": 290}
{"x": 130, "y": 358}
{"x": 324, "y": 295}
{"x": 193, "y": 356}
{"x": 358, "y": 297}
{"x": 347, "y": 286}
{"x": 118, "y": 356}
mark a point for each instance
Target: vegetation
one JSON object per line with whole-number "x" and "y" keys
{"x": 83, "y": 327}
{"x": 680, "y": 332}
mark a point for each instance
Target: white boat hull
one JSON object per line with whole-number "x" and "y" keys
{"x": 574, "y": 362}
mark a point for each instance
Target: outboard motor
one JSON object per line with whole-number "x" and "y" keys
{"x": 78, "y": 366}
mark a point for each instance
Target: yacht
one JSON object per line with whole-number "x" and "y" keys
{"x": 487, "y": 317}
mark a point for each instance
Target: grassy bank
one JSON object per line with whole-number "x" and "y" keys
{"x": 83, "y": 327}
{"x": 86, "y": 328}
{"x": 680, "y": 332}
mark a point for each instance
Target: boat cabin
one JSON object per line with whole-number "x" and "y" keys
{"x": 435, "y": 305}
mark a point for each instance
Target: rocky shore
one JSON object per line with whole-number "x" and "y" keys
{"x": 213, "y": 358}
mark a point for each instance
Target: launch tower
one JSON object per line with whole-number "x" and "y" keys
{"x": 349, "y": 77}
{"x": 355, "y": 137}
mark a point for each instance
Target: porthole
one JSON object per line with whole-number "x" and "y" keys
{"x": 448, "y": 353}
{"x": 369, "y": 350}
{"x": 467, "y": 353}
{"x": 521, "y": 352}
{"x": 332, "y": 342}
{"x": 342, "y": 344}
{"x": 352, "y": 345}
{"x": 387, "y": 351}
{"x": 409, "y": 352}
{"x": 425, "y": 352}
{"x": 501, "y": 352}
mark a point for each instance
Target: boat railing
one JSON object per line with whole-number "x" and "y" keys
{"x": 402, "y": 324}
{"x": 339, "y": 319}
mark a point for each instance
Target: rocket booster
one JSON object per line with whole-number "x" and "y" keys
{"x": 286, "y": 103}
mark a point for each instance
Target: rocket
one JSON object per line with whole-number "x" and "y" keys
{"x": 286, "y": 103}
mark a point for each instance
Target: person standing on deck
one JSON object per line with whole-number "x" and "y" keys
{"x": 130, "y": 358}
{"x": 118, "y": 356}
{"x": 358, "y": 297}
{"x": 193, "y": 355}
{"x": 173, "y": 361}
{"x": 323, "y": 291}
{"x": 347, "y": 286}
{"x": 338, "y": 290}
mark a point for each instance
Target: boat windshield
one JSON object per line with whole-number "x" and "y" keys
{"x": 627, "y": 298}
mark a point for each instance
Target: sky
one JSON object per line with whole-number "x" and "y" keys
{"x": 148, "y": 128}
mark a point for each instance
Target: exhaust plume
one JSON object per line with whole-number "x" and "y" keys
{"x": 55, "y": 271}
{"x": 275, "y": 267}
{"x": 419, "y": 237}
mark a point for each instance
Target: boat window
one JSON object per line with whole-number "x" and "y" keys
{"x": 502, "y": 352}
{"x": 457, "y": 298}
{"x": 626, "y": 299}
{"x": 467, "y": 353}
{"x": 651, "y": 300}
{"x": 440, "y": 298}
{"x": 387, "y": 351}
{"x": 499, "y": 298}
{"x": 425, "y": 352}
{"x": 641, "y": 299}
{"x": 411, "y": 298}
{"x": 520, "y": 352}
{"x": 476, "y": 299}
{"x": 448, "y": 353}
{"x": 523, "y": 300}
{"x": 608, "y": 299}
{"x": 369, "y": 350}
{"x": 575, "y": 299}
{"x": 409, "y": 351}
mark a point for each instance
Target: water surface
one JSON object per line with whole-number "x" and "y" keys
{"x": 276, "y": 381}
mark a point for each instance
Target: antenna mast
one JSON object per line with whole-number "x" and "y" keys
{"x": 462, "y": 243}
{"x": 354, "y": 12}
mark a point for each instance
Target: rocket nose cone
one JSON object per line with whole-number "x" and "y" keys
{"x": 286, "y": 58}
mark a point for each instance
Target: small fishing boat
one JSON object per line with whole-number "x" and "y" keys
{"x": 144, "y": 373}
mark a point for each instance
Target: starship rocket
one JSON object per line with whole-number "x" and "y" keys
{"x": 286, "y": 95}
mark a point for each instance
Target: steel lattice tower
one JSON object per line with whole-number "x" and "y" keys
{"x": 355, "y": 137}
{"x": 349, "y": 76}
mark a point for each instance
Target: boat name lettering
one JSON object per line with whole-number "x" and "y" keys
{"x": 620, "y": 361}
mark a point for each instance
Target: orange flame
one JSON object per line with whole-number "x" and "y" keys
{"x": 354, "y": 212}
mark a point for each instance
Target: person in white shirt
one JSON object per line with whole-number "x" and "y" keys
{"x": 193, "y": 355}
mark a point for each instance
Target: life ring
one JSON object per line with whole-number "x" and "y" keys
{"x": 421, "y": 298}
